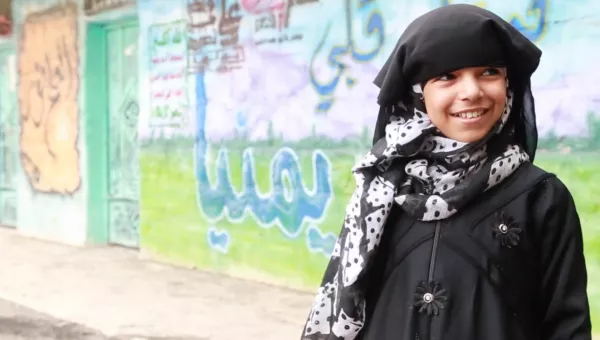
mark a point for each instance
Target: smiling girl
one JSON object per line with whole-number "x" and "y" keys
{"x": 452, "y": 233}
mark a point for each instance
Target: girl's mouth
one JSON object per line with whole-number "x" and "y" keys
{"x": 468, "y": 115}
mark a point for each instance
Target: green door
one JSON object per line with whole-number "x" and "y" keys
{"x": 123, "y": 167}
{"x": 9, "y": 136}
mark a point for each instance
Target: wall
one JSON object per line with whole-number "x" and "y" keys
{"x": 51, "y": 186}
{"x": 246, "y": 154}
{"x": 45, "y": 187}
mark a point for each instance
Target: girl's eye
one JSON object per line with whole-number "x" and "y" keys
{"x": 446, "y": 77}
{"x": 491, "y": 72}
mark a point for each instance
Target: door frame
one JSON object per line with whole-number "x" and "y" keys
{"x": 97, "y": 117}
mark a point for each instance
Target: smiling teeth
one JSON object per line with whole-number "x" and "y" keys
{"x": 473, "y": 114}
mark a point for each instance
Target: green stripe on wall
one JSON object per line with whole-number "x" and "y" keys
{"x": 96, "y": 120}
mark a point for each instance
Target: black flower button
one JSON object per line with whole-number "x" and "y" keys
{"x": 430, "y": 297}
{"x": 506, "y": 230}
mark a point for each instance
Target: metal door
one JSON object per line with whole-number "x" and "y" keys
{"x": 124, "y": 173}
{"x": 9, "y": 136}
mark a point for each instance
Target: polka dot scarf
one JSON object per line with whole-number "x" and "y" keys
{"x": 430, "y": 177}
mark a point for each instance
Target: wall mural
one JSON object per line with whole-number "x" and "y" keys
{"x": 48, "y": 91}
{"x": 280, "y": 104}
{"x": 168, "y": 65}
{"x": 91, "y": 7}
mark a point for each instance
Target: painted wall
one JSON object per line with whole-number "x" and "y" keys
{"x": 246, "y": 149}
{"x": 251, "y": 114}
{"x": 44, "y": 185}
{"x": 51, "y": 185}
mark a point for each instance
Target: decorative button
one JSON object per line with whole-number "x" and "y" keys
{"x": 506, "y": 230}
{"x": 503, "y": 228}
{"x": 430, "y": 297}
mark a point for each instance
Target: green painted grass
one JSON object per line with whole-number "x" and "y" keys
{"x": 174, "y": 229}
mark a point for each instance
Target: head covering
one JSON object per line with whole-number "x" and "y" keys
{"x": 411, "y": 165}
{"x": 453, "y": 37}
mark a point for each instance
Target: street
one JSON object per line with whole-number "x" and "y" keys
{"x": 111, "y": 293}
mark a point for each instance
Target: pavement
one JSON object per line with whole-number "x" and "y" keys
{"x": 21, "y": 323}
{"x": 54, "y": 291}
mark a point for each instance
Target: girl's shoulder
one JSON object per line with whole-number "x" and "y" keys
{"x": 545, "y": 190}
{"x": 540, "y": 187}
{"x": 534, "y": 199}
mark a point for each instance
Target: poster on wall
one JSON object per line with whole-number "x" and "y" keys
{"x": 168, "y": 63}
{"x": 214, "y": 36}
{"x": 6, "y": 22}
{"x": 91, "y": 7}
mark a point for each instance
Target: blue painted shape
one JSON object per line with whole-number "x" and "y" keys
{"x": 241, "y": 120}
{"x": 350, "y": 82}
{"x": 316, "y": 241}
{"x": 374, "y": 27}
{"x": 327, "y": 88}
{"x": 535, "y": 32}
{"x": 288, "y": 210}
{"x": 324, "y": 104}
{"x": 218, "y": 240}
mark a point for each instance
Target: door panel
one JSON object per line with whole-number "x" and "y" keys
{"x": 124, "y": 174}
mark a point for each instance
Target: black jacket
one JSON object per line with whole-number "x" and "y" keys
{"x": 511, "y": 267}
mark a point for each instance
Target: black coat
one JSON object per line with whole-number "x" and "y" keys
{"x": 511, "y": 267}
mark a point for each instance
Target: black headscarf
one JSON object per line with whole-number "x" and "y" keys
{"x": 457, "y": 36}
{"x": 429, "y": 176}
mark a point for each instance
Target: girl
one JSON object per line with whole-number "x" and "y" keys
{"x": 452, "y": 233}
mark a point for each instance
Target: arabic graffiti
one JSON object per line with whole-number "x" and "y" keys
{"x": 273, "y": 7}
{"x": 218, "y": 240}
{"x": 539, "y": 11}
{"x": 272, "y": 18}
{"x": 287, "y": 206}
{"x": 318, "y": 242}
{"x": 374, "y": 28}
{"x": 168, "y": 100}
{"x": 48, "y": 87}
{"x": 214, "y": 30}
{"x": 533, "y": 25}
{"x": 214, "y": 42}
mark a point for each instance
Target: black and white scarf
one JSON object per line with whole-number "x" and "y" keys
{"x": 429, "y": 176}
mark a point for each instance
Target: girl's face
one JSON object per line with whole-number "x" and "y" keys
{"x": 465, "y": 104}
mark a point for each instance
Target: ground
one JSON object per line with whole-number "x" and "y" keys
{"x": 119, "y": 296}
{"x": 21, "y": 323}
